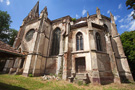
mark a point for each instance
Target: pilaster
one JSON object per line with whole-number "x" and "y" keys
{"x": 95, "y": 77}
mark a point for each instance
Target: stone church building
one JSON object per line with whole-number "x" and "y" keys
{"x": 88, "y": 48}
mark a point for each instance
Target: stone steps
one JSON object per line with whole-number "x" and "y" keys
{"x": 80, "y": 77}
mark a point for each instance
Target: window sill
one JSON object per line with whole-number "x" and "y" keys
{"x": 101, "y": 52}
{"x": 81, "y": 51}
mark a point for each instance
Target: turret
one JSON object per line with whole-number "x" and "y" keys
{"x": 114, "y": 31}
{"x": 44, "y": 11}
{"x": 112, "y": 18}
{"x": 88, "y": 14}
{"x": 89, "y": 21}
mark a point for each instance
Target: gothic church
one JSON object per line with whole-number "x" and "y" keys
{"x": 88, "y": 48}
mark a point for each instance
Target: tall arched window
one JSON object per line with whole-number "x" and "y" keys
{"x": 56, "y": 41}
{"x": 79, "y": 41}
{"x": 98, "y": 41}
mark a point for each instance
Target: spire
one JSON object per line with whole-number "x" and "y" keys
{"x": 88, "y": 14}
{"x": 112, "y": 18}
{"x": 34, "y": 13}
{"x": 98, "y": 13}
{"x": 44, "y": 11}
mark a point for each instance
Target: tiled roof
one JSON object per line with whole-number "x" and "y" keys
{"x": 7, "y": 49}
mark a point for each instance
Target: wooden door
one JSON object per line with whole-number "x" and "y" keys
{"x": 80, "y": 65}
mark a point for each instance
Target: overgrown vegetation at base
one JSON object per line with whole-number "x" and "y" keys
{"x": 18, "y": 82}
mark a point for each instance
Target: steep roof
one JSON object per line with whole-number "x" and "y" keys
{"x": 8, "y": 51}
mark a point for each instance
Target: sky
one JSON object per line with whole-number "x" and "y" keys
{"x": 19, "y": 9}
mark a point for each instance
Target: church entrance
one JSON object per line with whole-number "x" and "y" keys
{"x": 80, "y": 65}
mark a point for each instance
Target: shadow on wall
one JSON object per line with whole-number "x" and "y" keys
{"x": 105, "y": 71}
{"x": 50, "y": 67}
{"x": 4, "y": 86}
{"x": 122, "y": 72}
{"x": 2, "y": 64}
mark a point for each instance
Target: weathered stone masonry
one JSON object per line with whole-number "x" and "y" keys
{"x": 87, "y": 49}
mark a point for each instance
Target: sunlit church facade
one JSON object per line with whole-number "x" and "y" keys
{"x": 88, "y": 48}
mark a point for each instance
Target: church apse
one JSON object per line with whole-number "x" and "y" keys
{"x": 87, "y": 49}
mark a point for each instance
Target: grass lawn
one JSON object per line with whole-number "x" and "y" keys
{"x": 18, "y": 82}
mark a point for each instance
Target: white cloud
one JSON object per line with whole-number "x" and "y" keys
{"x": 8, "y": 2}
{"x": 123, "y": 26}
{"x": 108, "y": 11}
{"x": 77, "y": 16}
{"x": 120, "y": 6}
{"x": 121, "y": 20}
{"x": 1, "y": 0}
{"x": 132, "y": 25}
{"x": 116, "y": 17}
{"x": 83, "y": 12}
{"x": 128, "y": 23}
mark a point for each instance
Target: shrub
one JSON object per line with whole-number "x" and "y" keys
{"x": 30, "y": 75}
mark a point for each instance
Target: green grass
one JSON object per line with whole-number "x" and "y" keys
{"x": 19, "y": 82}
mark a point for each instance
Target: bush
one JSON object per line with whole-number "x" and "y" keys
{"x": 30, "y": 75}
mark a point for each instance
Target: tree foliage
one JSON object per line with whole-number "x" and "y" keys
{"x": 128, "y": 41}
{"x": 5, "y": 21}
{"x": 131, "y": 5}
{"x": 12, "y": 35}
{"x": 7, "y": 35}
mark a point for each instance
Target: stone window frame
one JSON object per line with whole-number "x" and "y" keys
{"x": 98, "y": 41}
{"x": 53, "y": 47}
{"x": 27, "y": 33}
{"x": 81, "y": 45}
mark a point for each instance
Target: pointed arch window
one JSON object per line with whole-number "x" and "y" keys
{"x": 98, "y": 41}
{"x": 55, "y": 41}
{"x": 79, "y": 41}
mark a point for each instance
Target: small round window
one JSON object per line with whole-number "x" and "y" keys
{"x": 29, "y": 35}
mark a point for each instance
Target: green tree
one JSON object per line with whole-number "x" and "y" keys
{"x": 12, "y": 35}
{"x": 7, "y": 35}
{"x": 128, "y": 41}
{"x": 5, "y": 21}
{"x": 131, "y": 5}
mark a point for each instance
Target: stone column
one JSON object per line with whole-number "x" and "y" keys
{"x": 65, "y": 57}
{"x": 60, "y": 56}
{"x": 27, "y": 65}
